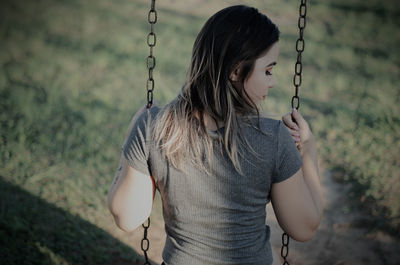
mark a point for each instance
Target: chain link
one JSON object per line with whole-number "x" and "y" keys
{"x": 145, "y": 243}
{"x": 151, "y": 60}
{"x": 300, "y": 44}
{"x": 285, "y": 248}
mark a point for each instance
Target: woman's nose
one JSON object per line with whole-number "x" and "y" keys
{"x": 271, "y": 82}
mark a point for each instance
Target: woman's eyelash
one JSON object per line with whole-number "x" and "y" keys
{"x": 268, "y": 72}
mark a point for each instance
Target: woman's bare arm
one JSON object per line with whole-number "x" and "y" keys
{"x": 130, "y": 197}
{"x": 298, "y": 202}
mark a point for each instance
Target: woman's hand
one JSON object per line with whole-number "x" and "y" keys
{"x": 298, "y": 128}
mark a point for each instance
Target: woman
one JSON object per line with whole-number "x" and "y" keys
{"x": 214, "y": 160}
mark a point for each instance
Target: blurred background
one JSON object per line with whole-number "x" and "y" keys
{"x": 73, "y": 73}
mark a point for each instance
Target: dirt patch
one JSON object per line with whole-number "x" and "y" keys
{"x": 339, "y": 241}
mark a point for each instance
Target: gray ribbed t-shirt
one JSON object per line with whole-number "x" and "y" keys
{"x": 217, "y": 218}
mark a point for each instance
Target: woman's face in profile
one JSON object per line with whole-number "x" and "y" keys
{"x": 261, "y": 78}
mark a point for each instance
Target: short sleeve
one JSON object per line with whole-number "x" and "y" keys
{"x": 137, "y": 147}
{"x": 288, "y": 160}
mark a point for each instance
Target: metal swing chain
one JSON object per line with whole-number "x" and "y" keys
{"x": 295, "y": 99}
{"x": 145, "y": 243}
{"x": 299, "y": 48}
{"x": 285, "y": 248}
{"x": 151, "y": 64}
{"x": 151, "y": 60}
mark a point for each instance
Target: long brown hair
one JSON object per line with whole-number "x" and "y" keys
{"x": 234, "y": 36}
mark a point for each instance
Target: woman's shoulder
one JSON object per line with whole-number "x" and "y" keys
{"x": 145, "y": 116}
{"x": 269, "y": 121}
{"x": 267, "y": 124}
{"x": 150, "y": 113}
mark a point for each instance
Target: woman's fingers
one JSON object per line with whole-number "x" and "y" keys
{"x": 297, "y": 126}
{"x": 298, "y": 145}
{"x": 305, "y": 132}
{"x": 295, "y": 135}
{"x": 293, "y": 132}
{"x": 298, "y": 118}
{"x": 288, "y": 121}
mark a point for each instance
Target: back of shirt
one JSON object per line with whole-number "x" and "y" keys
{"x": 217, "y": 218}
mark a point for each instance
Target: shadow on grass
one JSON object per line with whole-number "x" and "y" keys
{"x": 33, "y": 231}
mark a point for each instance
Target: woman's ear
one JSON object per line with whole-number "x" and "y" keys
{"x": 234, "y": 76}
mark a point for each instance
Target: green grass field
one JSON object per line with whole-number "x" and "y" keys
{"x": 73, "y": 73}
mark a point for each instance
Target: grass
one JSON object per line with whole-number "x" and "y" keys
{"x": 73, "y": 74}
